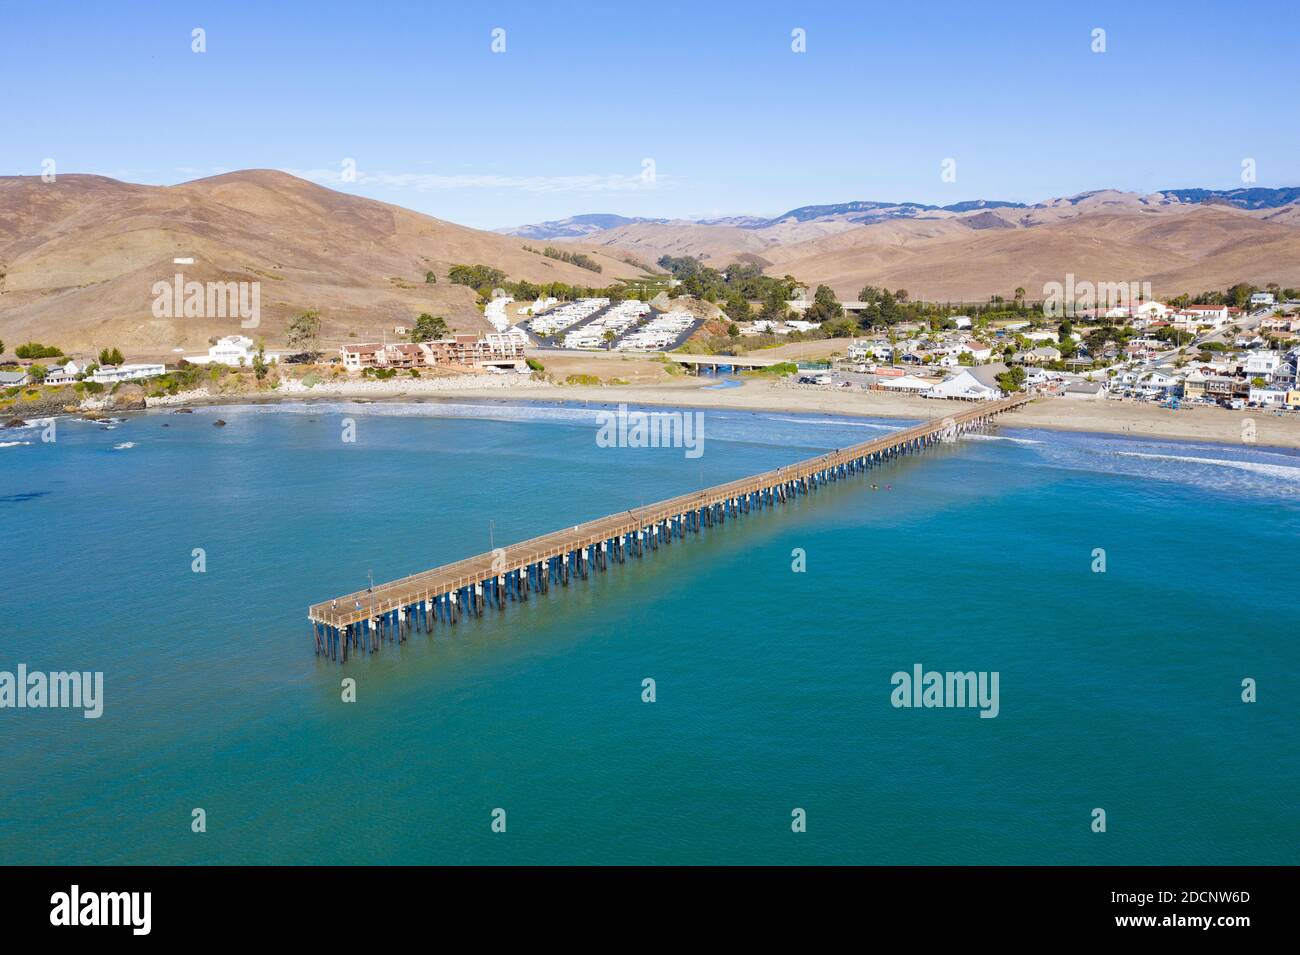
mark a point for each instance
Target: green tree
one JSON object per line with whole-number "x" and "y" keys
{"x": 475, "y": 276}
{"x": 430, "y": 278}
{"x": 737, "y": 308}
{"x": 608, "y": 337}
{"x": 825, "y": 305}
{"x": 429, "y": 328}
{"x": 304, "y": 332}
{"x": 37, "y": 373}
{"x": 37, "y": 350}
{"x": 774, "y": 306}
{"x": 259, "y": 363}
{"x": 1239, "y": 295}
{"x": 1012, "y": 380}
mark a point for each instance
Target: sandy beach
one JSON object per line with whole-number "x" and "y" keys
{"x": 1104, "y": 416}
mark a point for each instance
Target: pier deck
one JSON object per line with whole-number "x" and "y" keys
{"x": 363, "y": 619}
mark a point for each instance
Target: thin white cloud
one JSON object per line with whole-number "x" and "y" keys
{"x": 431, "y": 182}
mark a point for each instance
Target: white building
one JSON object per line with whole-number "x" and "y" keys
{"x": 1202, "y": 315}
{"x": 1262, "y": 364}
{"x": 970, "y": 384}
{"x": 1267, "y": 397}
{"x": 234, "y": 350}
{"x": 112, "y": 374}
{"x": 64, "y": 374}
{"x": 1146, "y": 311}
{"x": 1262, "y": 298}
{"x": 880, "y": 351}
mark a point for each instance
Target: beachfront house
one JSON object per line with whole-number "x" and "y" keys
{"x": 1262, "y": 364}
{"x": 1194, "y": 385}
{"x": 1220, "y": 387}
{"x": 113, "y": 374}
{"x": 237, "y": 351}
{"x": 13, "y": 379}
{"x": 65, "y": 374}
{"x": 978, "y": 383}
{"x": 59, "y": 375}
{"x": 1267, "y": 397}
{"x": 1156, "y": 384}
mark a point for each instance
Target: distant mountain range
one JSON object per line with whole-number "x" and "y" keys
{"x": 1188, "y": 240}
{"x": 864, "y": 212}
{"x": 573, "y": 227}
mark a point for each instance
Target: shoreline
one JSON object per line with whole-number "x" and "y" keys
{"x": 1125, "y": 419}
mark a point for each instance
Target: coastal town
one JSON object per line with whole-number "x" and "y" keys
{"x": 1170, "y": 355}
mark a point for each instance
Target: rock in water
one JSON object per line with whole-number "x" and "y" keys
{"x": 218, "y": 423}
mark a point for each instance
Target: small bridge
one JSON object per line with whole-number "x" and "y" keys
{"x": 714, "y": 362}
{"x": 363, "y": 621}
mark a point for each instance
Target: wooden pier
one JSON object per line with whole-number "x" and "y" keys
{"x": 361, "y": 622}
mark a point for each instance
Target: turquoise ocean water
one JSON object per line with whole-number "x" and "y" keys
{"x": 1119, "y": 690}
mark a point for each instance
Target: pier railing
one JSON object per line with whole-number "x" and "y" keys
{"x": 365, "y": 618}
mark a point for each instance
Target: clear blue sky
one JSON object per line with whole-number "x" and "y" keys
{"x": 735, "y": 122}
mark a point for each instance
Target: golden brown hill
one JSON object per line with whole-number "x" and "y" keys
{"x": 79, "y": 258}
{"x": 1106, "y": 236}
{"x": 1190, "y": 249}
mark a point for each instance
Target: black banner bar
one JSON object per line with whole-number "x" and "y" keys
{"x": 214, "y": 904}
